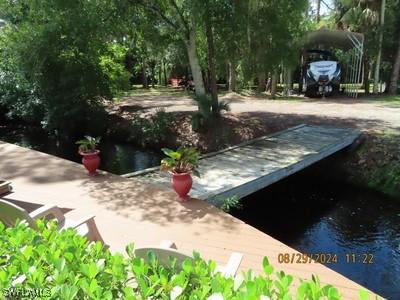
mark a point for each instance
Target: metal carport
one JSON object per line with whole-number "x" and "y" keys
{"x": 350, "y": 42}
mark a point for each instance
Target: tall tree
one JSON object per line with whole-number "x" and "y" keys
{"x": 180, "y": 17}
{"x": 211, "y": 63}
{"x": 394, "y": 78}
{"x": 380, "y": 41}
{"x": 230, "y": 35}
{"x": 272, "y": 26}
{"x": 318, "y": 2}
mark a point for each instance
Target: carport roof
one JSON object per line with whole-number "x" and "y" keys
{"x": 332, "y": 38}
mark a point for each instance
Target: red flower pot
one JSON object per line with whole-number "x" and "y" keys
{"x": 91, "y": 161}
{"x": 182, "y": 183}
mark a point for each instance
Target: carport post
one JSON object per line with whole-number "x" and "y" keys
{"x": 358, "y": 48}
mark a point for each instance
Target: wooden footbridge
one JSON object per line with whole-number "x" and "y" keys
{"x": 250, "y": 166}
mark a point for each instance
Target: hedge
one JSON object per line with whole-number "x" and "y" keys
{"x": 64, "y": 265}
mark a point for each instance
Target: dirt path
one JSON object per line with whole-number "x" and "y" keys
{"x": 361, "y": 113}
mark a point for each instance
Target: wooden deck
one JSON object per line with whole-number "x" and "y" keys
{"x": 128, "y": 210}
{"x": 253, "y": 165}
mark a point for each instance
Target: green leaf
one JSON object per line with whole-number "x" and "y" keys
{"x": 187, "y": 266}
{"x": 59, "y": 264}
{"x": 171, "y": 153}
{"x": 130, "y": 250}
{"x": 364, "y": 295}
{"x": 68, "y": 292}
{"x": 129, "y": 293}
{"x": 69, "y": 256}
{"x": 268, "y": 269}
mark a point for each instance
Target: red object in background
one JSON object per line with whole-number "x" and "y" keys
{"x": 175, "y": 82}
{"x": 182, "y": 183}
{"x": 91, "y": 161}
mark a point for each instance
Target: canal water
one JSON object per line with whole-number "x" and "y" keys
{"x": 360, "y": 227}
{"x": 314, "y": 216}
{"x": 117, "y": 158}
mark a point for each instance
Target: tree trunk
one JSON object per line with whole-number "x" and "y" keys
{"x": 394, "y": 78}
{"x": 274, "y": 84}
{"x": 202, "y": 102}
{"x": 206, "y": 78}
{"x": 366, "y": 75}
{"x": 195, "y": 65}
{"x": 261, "y": 82}
{"x": 159, "y": 74}
{"x": 153, "y": 75}
{"x": 268, "y": 84}
{"x": 318, "y": 10}
{"x": 288, "y": 79}
{"x": 211, "y": 66}
{"x": 145, "y": 83}
{"x": 378, "y": 57}
{"x": 301, "y": 79}
{"x": 232, "y": 77}
{"x": 165, "y": 74}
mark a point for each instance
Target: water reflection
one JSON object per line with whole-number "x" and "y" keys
{"x": 123, "y": 158}
{"x": 117, "y": 158}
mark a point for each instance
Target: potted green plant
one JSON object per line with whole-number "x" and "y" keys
{"x": 181, "y": 164}
{"x": 89, "y": 152}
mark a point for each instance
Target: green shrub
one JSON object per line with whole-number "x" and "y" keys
{"x": 229, "y": 203}
{"x": 222, "y": 106}
{"x": 56, "y": 64}
{"x": 18, "y": 97}
{"x": 204, "y": 104}
{"x": 151, "y": 131}
{"x": 67, "y": 267}
{"x": 197, "y": 121}
{"x": 376, "y": 163}
{"x": 112, "y": 65}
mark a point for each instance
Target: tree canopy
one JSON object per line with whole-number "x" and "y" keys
{"x": 60, "y": 60}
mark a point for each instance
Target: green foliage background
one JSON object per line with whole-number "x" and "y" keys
{"x": 57, "y": 62}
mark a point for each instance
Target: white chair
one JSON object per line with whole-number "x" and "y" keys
{"x": 168, "y": 249}
{"x": 10, "y": 213}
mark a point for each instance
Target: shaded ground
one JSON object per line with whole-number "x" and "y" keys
{"x": 252, "y": 116}
{"x": 365, "y": 114}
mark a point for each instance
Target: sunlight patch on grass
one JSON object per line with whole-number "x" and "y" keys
{"x": 387, "y": 99}
{"x": 156, "y": 91}
{"x": 391, "y": 98}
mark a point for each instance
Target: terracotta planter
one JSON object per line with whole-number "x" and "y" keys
{"x": 182, "y": 183}
{"x": 91, "y": 161}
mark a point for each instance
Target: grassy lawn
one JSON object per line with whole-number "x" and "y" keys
{"x": 138, "y": 90}
{"x": 390, "y": 99}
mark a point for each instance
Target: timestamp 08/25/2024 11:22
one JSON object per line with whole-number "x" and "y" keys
{"x": 325, "y": 258}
